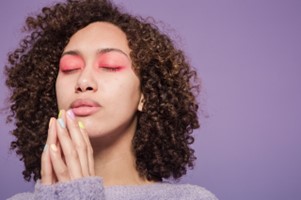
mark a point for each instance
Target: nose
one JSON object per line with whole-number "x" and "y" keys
{"x": 86, "y": 82}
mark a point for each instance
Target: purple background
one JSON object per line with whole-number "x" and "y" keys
{"x": 248, "y": 54}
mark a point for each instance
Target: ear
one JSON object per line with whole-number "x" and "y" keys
{"x": 141, "y": 101}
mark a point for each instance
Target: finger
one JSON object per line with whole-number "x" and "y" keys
{"x": 79, "y": 143}
{"x": 59, "y": 166}
{"x": 47, "y": 176}
{"x": 89, "y": 148}
{"x": 46, "y": 167}
{"x": 69, "y": 152}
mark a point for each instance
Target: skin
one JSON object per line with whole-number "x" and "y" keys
{"x": 95, "y": 87}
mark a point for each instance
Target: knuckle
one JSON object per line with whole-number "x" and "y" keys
{"x": 73, "y": 154}
{"x": 70, "y": 154}
{"x": 81, "y": 146}
{"x": 45, "y": 173}
{"x": 62, "y": 172}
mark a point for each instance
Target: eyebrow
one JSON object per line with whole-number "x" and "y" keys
{"x": 107, "y": 50}
{"x": 100, "y": 52}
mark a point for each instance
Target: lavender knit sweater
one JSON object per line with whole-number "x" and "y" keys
{"x": 92, "y": 188}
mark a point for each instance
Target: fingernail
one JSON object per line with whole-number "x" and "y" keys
{"x": 70, "y": 114}
{"x": 53, "y": 147}
{"x": 50, "y": 122}
{"x": 81, "y": 125}
{"x": 45, "y": 147}
{"x": 61, "y": 122}
{"x": 60, "y": 114}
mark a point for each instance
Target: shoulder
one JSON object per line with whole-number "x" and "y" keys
{"x": 187, "y": 191}
{"x": 22, "y": 196}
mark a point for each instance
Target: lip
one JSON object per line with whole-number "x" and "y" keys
{"x": 84, "y": 107}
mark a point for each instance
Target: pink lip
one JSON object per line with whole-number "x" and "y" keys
{"x": 84, "y": 107}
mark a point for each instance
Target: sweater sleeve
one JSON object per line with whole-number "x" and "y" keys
{"x": 90, "y": 188}
{"x": 85, "y": 188}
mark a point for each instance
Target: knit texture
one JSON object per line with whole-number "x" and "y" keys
{"x": 92, "y": 189}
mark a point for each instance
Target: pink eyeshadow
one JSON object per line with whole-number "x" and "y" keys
{"x": 70, "y": 62}
{"x": 112, "y": 60}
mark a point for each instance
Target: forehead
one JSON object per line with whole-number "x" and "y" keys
{"x": 98, "y": 35}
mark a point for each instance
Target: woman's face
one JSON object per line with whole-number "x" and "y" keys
{"x": 97, "y": 82}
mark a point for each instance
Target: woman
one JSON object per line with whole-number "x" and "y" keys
{"x": 125, "y": 101}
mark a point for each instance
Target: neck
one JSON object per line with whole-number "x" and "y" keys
{"x": 115, "y": 162}
{"x": 117, "y": 168}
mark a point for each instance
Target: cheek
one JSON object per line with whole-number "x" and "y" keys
{"x": 129, "y": 93}
{"x": 59, "y": 93}
{"x": 62, "y": 87}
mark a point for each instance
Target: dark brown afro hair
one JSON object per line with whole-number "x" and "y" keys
{"x": 163, "y": 137}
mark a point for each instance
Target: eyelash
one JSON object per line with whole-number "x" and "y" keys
{"x": 70, "y": 70}
{"x": 111, "y": 69}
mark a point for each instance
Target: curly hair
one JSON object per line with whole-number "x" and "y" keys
{"x": 164, "y": 132}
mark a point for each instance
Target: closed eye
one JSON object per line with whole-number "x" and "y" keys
{"x": 70, "y": 69}
{"x": 111, "y": 69}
